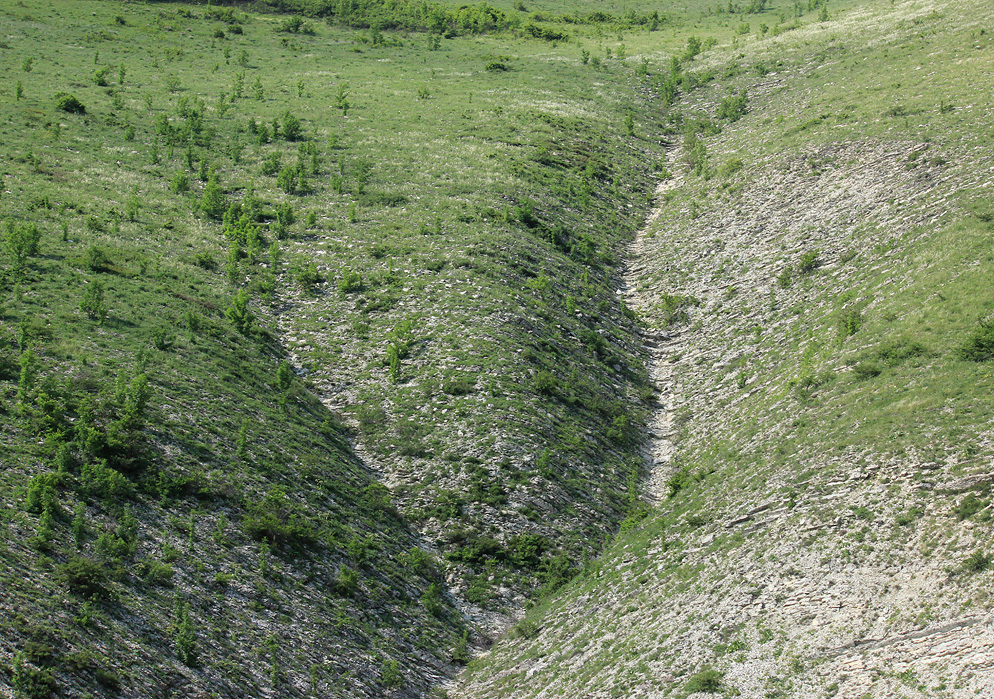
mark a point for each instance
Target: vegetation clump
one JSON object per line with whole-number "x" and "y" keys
{"x": 707, "y": 681}
{"x": 979, "y": 347}
{"x": 67, "y": 102}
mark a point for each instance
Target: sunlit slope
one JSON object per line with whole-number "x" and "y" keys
{"x": 815, "y": 291}
{"x": 312, "y": 362}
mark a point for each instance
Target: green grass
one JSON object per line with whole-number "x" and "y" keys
{"x": 433, "y": 237}
{"x": 853, "y": 360}
{"x": 432, "y": 245}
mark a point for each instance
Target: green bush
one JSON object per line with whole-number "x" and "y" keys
{"x": 350, "y": 282}
{"x": 285, "y": 218}
{"x": 278, "y": 519}
{"x": 894, "y": 353}
{"x": 213, "y": 203}
{"x": 697, "y": 155}
{"x": 271, "y": 165}
{"x": 474, "y": 549}
{"x": 100, "y": 76}
{"x": 68, "y": 103}
{"x": 525, "y": 550}
{"x": 459, "y": 385}
{"x": 977, "y": 562}
{"x": 460, "y": 651}
{"x": 84, "y": 576}
{"x": 95, "y": 259}
{"x": 42, "y": 493}
{"x": 729, "y": 167}
{"x": 108, "y": 679}
{"x": 446, "y": 505}
{"x": 903, "y": 519}
{"x": 707, "y": 681}
{"x": 92, "y": 304}
{"x": 672, "y": 309}
{"x": 307, "y": 275}
{"x": 180, "y": 183}
{"x": 112, "y": 547}
{"x": 805, "y": 385}
{"x": 32, "y": 682}
{"x": 808, "y": 262}
{"x": 185, "y": 635}
{"x": 295, "y": 25}
{"x": 733, "y": 108}
{"x": 680, "y": 480}
{"x": 849, "y": 323}
{"x": 864, "y": 513}
{"x": 102, "y": 481}
{"x": 555, "y": 572}
{"x": 545, "y": 383}
{"x": 980, "y": 345}
{"x": 866, "y": 370}
{"x": 21, "y": 242}
{"x": 433, "y": 601}
{"x": 545, "y": 33}
{"x": 969, "y": 506}
{"x": 693, "y": 49}
{"x": 284, "y": 376}
{"x": 526, "y": 628}
{"x": 289, "y": 179}
{"x": 157, "y": 573}
{"x": 291, "y": 127}
{"x": 390, "y": 674}
{"x": 346, "y": 582}
{"x": 239, "y": 313}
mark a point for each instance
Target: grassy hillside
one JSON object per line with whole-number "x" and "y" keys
{"x": 180, "y": 509}
{"x": 325, "y": 347}
{"x": 313, "y": 363}
{"x": 817, "y": 278}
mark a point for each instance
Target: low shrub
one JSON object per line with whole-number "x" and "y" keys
{"x": 277, "y": 519}
{"x": 849, "y": 323}
{"x": 969, "y": 506}
{"x": 32, "y": 682}
{"x": 977, "y": 562}
{"x": 350, "y": 282}
{"x": 545, "y": 383}
{"x": 979, "y": 347}
{"x": 459, "y": 385}
{"x": 866, "y": 370}
{"x": 346, "y": 583}
{"x": 707, "y": 681}
{"x": 84, "y": 576}
{"x": 808, "y": 262}
{"x": 68, "y": 103}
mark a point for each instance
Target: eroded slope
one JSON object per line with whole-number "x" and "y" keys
{"x": 825, "y": 452}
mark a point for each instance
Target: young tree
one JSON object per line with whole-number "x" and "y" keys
{"x": 21, "y": 242}
{"x": 214, "y": 202}
{"x": 342, "y": 98}
{"x": 240, "y": 314}
{"x": 291, "y": 127}
{"x": 288, "y": 179}
{"x": 92, "y": 303}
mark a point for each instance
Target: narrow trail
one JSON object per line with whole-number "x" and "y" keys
{"x": 661, "y": 346}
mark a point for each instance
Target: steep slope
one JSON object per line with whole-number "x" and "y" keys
{"x": 181, "y": 515}
{"x": 219, "y": 223}
{"x": 813, "y": 279}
